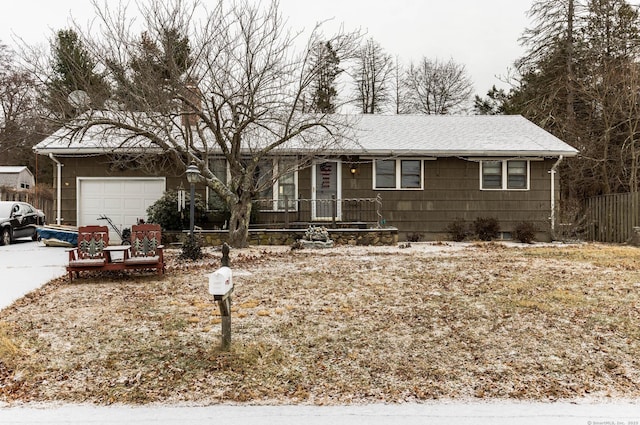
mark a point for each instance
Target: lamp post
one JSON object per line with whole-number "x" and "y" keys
{"x": 193, "y": 174}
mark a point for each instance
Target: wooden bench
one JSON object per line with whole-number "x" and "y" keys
{"x": 146, "y": 248}
{"x": 90, "y": 254}
{"x": 94, "y": 253}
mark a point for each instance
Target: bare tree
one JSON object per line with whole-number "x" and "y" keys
{"x": 237, "y": 97}
{"x": 372, "y": 73}
{"x": 17, "y": 109}
{"x": 401, "y": 98}
{"x": 628, "y": 104}
{"x": 437, "y": 88}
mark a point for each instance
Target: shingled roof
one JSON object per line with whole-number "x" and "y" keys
{"x": 446, "y": 135}
{"x": 15, "y": 176}
{"x": 422, "y": 135}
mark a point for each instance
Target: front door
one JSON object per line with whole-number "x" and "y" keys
{"x": 326, "y": 188}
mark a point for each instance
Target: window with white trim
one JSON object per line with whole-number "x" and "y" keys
{"x": 218, "y": 167}
{"x": 285, "y": 187}
{"x": 504, "y": 175}
{"x": 398, "y": 174}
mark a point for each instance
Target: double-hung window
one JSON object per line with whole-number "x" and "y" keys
{"x": 218, "y": 167}
{"x": 504, "y": 175}
{"x": 398, "y": 174}
{"x": 283, "y": 190}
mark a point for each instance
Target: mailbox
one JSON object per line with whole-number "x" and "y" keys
{"x": 220, "y": 281}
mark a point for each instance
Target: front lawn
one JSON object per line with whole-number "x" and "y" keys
{"x": 343, "y": 325}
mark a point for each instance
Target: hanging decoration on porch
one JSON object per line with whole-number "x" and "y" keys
{"x": 182, "y": 199}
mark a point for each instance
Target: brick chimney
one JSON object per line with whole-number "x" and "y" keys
{"x": 194, "y": 96}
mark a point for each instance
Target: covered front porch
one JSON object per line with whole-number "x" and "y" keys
{"x": 333, "y": 213}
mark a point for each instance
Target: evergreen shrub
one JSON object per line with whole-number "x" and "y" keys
{"x": 165, "y": 212}
{"x": 191, "y": 248}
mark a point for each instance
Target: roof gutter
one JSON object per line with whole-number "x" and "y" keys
{"x": 58, "y": 188}
{"x": 95, "y": 151}
{"x": 465, "y": 154}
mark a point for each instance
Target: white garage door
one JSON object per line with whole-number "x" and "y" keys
{"x": 123, "y": 200}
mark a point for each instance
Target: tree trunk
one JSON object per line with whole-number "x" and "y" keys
{"x": 239, "y": 223}
{"x": 606, "y": 183}
{"x": 570, "y": 78}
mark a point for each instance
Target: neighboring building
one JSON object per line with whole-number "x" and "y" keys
{"x": 16, "y": 177}
{"x": 428, "y": 170}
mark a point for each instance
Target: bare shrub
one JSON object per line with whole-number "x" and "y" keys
{"x": 486, "y": 228}
{"x": 525, "y": 232}
{"x": 458, "y": 230}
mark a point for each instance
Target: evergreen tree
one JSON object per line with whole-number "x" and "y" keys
{"x": 326, "y": 70}
{"x": 73, "y": 69}
{"x": 551, "y": 46}
{"x": 579, "y": 80}
{"x": 495, "y": 103}
{"x": 163, "y": 63}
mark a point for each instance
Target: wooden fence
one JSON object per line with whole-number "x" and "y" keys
{"x": 41, "y": 198}
{"x": 611, "y": 218}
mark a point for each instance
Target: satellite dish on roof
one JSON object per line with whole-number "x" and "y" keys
{"x": 79, "y": 99}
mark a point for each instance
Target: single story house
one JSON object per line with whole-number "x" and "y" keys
{"x": 19, "y": 177}
{"x": 424, "y": 171}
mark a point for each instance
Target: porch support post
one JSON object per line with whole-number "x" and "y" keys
{"x": 286, "y": 212}
{"x": 334, "y": 210}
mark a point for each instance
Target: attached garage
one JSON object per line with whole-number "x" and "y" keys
{"x": 123, "y": 200}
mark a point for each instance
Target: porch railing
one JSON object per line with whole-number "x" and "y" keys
{"x": 363, "y": 211}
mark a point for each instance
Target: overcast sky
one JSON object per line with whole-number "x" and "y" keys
{"x": 480, "y": 34}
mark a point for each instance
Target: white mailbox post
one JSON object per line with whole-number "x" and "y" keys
{"x": 221, "y": 287}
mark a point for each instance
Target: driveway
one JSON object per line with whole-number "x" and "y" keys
{"x": 26, "y": 265}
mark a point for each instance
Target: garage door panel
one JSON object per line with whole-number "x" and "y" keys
{"x": 135, "y": 204}
{"x": 92, "y": 219}
{"x": 133, "y": 219}
{"x": 112, "y": 201}
{"x": 93, "y": 204}
{"x": 116, "y": 189}
{"x": 93, "y": 186}
{"x": 124, "y": 201}
{"x": 139, "y": 187}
